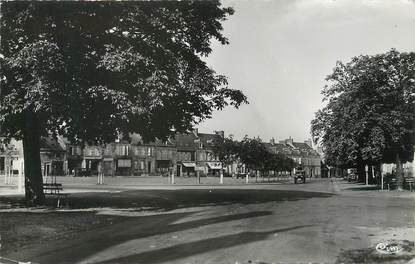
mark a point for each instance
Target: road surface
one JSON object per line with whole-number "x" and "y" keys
{"x": 325, "y": 220}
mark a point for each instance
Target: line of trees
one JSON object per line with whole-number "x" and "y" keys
{"x": 369, "y": 118}
{"x": 253, "y": 153}
{"x": 91, "y": 71}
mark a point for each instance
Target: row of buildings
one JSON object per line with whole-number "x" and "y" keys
{"x": 185, "y": 154}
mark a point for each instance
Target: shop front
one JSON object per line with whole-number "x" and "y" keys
{"x": 123, "y": 167}
{"x": 186, "y": 169}
{"x": 214, "y": 168}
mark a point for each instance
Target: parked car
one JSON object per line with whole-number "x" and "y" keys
{"x": 351, "y": 177}
{"x": 299, "y": 175}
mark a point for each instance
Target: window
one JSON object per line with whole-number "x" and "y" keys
{"x": 142, "y": 165}
{"x": 124, "y": 163}
{"x": 149, "y": 151}
{"x": 122, "y": 150}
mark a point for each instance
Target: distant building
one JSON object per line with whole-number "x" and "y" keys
{"x": 52, "y": 156}
{"x": 11, "y": 157}
{"x": 207, "y": 161}
{"x": 301, "y": 152}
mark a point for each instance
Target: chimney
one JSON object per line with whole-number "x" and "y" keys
{"x": 272, "y": 141}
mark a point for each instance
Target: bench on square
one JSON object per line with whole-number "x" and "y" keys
{"x": 410, "y": 181}
{"x": 391, "y": 183}
{"x": 54, "y": 189}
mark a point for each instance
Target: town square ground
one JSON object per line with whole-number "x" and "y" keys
{"x": 323, "y": 220}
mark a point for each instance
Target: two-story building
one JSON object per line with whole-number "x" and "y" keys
{"x": 302, "y": 153}
{"x": 52, "y": 156}
{"x": 207, "y": 161}
{"x": 165, "y": 156}
{"x": 186, "y": 146}
{"x": 11, "y": 157}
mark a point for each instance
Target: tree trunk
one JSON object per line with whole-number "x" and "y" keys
{"x": 399, "y": 172}
{"x": 31, "y": 150}
{"x": 361, "y": 172}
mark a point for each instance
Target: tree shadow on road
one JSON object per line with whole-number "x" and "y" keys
{"x": 198, "y": 247}
{"x": 93, "y": 242}
{"x": 124, "y": 228}
{"x": 170, "y": 199}
{"x": 175, "y": 199}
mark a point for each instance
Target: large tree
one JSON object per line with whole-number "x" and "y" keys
{"x": 252, "y": 152}
{"x": 93, "y": 70}
{"x": 226, "y": 149}
{"x": 255, "y": 155}
{"x": 370, "y": 113}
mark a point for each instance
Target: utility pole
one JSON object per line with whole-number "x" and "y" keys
{"x": 172, "y": 175}
{"x": 221, "y": 176}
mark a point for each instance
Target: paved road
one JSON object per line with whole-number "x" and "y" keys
{"x": 322, "y": 221}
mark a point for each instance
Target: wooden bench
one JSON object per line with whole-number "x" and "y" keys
{"x": 410, "y": 181}
{"x": 391, "y": 183}
{"x": 54, "y": 189}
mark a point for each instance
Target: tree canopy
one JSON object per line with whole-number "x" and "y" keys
{"x": 370, "y": 113}
{"x": 226, "y": 148}
{"x": 94, "y": 70}
{"x": 90, "y": 70}
{"x": 252, "y": 152}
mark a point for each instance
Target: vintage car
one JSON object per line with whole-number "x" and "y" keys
{"x": 299, "y": 175}
{"x": 351, "y": 177}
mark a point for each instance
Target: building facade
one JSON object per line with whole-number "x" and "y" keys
{"x": 184, "y": 155}
{"x": 301, "y": 152}
{"x": 11, "y": 157}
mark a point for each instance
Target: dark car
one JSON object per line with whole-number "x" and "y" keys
{"x": 299, "y": 175}
{"x": 351, "y": 177}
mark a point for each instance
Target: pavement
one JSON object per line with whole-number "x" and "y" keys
{"x": 322, "y": 221}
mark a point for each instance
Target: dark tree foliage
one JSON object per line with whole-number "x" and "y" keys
{"x": 279, "y": 162}
{"x": 255, "y": 155}
{"x": 226, "y": 148}
{"x": 94, "y": 70}
{"x": 252, "y": 152}
{"x": 370, "y": 112}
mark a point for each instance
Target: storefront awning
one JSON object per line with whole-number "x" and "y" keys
{"x": 215, "y": 165}
{"x": 189, "y": 164}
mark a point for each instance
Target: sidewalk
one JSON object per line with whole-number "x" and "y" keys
{"x": 82, "y": 184}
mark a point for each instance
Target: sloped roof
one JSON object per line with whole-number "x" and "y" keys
{"x": 280, "y": 146}
{"x": 185, "y": 140}
{"x": 50, "y": 144}
{"x": 302, "y": 146}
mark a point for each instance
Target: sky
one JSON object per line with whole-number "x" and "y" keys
{"x": 281, "y": 51}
